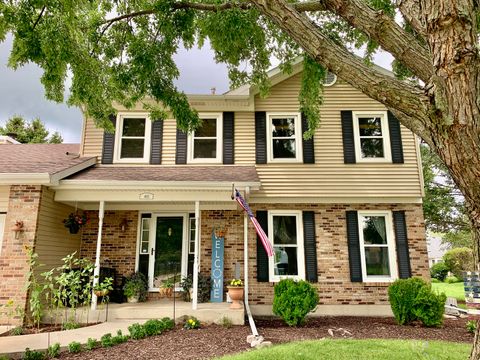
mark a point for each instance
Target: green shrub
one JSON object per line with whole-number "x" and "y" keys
{"x": 168, "y": 323}
{"x": 33, "y": 355}
{"x": 226, "y": 322}
{"x": 3, "y": 357}
{"x": 458, "y": 260}
{"x": 153, "y": 327}
{"x": 74, "y": 347}
{"x": 136, "y": 286}
{"x": 471, "y": 326}
{"x": 402, "y": 294}
{"x": 192, "y": 323}
{"x": 70, "y": 325}
{"x": 91, "y": 344}
{"x": 53, "y": 351}
{"x": 137, "y": 331}
{"x": 452, "y": 279}
{"x": 294, "y": 300}
{"x": 204, "y": 287}
{"x": 439, "y": 271}
{"x": 435, "y": 281}
{"x": 429, "y": 307}
{"x": 106, "y": 340}
{"x": 119, "y": 338}
{"x": 17, "y": 330}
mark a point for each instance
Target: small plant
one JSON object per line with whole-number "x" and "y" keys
{"x": 153, "y": 327}
{"x": 136, "y": 287}
{"x": 402, "y": 294}
{"x": 91, "y": 344}
{"x": 192, "y": 323}
{"x": 168, "y": 323}
{"x": 226, "y": 322}
{"x": 294, "y": 300}
{"x": 33, "y": 355}
{"x": 137, "y": 331}
{"x": 204, "y": 287}
{"x": 74, "y": 347}
{"x": 429, "y": 307}
{"x": 119, "y": 338}
{"x": 74, "y": 222}
{"x": 106, "y": 340}
{"x": 70, "y": 325}
{"x": 17, "y": 330}
{"x": 471, "y": 326}
{"x": 53, "y": 351}
{"x": 236, "y": 283}
{"x": 452, "y": 280}
{"x": 439, "y": 271}
{"x": 104, "y": 287}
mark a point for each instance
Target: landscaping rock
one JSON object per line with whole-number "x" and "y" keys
{"x": 264, "y": 344}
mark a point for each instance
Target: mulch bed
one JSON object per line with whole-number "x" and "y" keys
{"x": 215, "y": 340}
{"x": 43, "y": 329}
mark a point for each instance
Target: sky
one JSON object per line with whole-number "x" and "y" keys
{"x": 21, "y": 92}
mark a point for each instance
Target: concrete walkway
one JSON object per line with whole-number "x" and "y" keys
{"x": 15, "y": 345}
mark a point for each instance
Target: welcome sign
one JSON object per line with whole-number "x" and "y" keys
{"x": 216, "y": 294}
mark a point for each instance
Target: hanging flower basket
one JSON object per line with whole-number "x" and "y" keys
{"x": 74, "y": 222}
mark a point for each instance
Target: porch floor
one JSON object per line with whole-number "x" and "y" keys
{"x": 157, "y": 309}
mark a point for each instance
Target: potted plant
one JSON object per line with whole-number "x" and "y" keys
{"x": 135, "y": 288}
{"x": 235, "y": 291}
{"x": 74, "y": 222}
{"x": 167, "y": 288}
{"x": 103, "y": 288}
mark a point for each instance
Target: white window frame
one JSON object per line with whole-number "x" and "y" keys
{"x": 300, "y": 246}
{"x": 191, "y": 137}
{"x": 147, "y": 138}
{"x": 392, "y": 252}
{"x": 387, "y": 153}
{"x": 3, "y": 217}
{"x": 298, "y": 137}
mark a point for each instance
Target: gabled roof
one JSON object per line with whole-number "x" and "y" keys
{"x": 40, "y": 164}
{"x": 6, "y": 140}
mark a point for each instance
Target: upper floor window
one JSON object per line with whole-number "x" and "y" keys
{"x": 287, "y": 236}
{"x": 284, "y": 137}
{"x": 206, "y": 141}
{"x": 133, "y": 138}
{"x": 377, "y": 246}
{"x": 371, "y": 134}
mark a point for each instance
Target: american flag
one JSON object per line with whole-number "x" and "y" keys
{"x": 261, "y": 234}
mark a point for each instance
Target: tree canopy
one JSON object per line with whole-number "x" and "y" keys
{"x": 29, "y": 132}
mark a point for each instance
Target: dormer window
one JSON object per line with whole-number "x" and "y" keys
{"x": 205, "y": 143}
{"x": 133, "y": 139}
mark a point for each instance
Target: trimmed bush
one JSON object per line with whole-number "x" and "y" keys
{"x": 459, "y": 260}
{"x": 137, "y": 331}
{"x": 402, "y": 294}
{"x": 120, "y": 338}
{"x": 91, "y": 344}
{"x": 74, "y": 347}
{"x": 154, "y": 327}
{"x": 439, "y": 271}
{"x": 429, "y": 307}
{"x": 106, "y": 340}
{"x": 452, "y": 280}
{"x": 294, "y": 300}
{"x": 168, "y": 323}
{"x": 53, "y": 351}
{"x": 33, "y": 355}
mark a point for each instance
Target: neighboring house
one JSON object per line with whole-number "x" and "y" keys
{"x": 436, "y": 249}
{"x": 5, "y": 140}
{"x": 344, "y": 209}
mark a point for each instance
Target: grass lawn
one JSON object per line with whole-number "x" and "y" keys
{"x": 451, "y": 290}
{"x": 359, "y": 349}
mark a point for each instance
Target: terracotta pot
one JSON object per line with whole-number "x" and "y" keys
{"x": 236, "y": 294}
{"x": 101, "y": 292}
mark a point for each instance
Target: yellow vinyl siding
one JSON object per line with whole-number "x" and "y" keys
{"x": 54, "y": 240}
{"x": 169, "y": 142}
{"x": 93, "y": 140}
{"x": 244, "y": 138}
{"x": 4, "y": 195}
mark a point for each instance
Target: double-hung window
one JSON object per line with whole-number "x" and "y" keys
{"x": 284, "y": 136}
{"x": 377, "y": 246}
{"x": 133, "y": 138}
{"x": 286, "y": 232}
{"x": 372, "y": 142}
{"x": 206, "y": 141}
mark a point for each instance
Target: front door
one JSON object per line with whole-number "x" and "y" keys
{"x": 167, "y": 256}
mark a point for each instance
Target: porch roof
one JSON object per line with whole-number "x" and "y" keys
{"x": 40, "y": 164}
{"x": 177, "y": 173}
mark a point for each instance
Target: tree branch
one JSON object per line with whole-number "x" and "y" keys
{"x": 39, "y": 17}
{"x": 410, "y": 10}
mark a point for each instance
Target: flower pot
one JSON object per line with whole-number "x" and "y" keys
{"x": 236, "y": 294}
{"x": 74, "y": 229}
{"x": 133, "y": 299}
{"x": 101, "y": 292}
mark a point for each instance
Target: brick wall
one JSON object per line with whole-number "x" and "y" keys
{"x": 24, "y": 204}
{"x": 118, "y": 247}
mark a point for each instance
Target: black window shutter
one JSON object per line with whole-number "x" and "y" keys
{"x": 310, "y": 246}
{"x": 308, "y": 148}
{"x": 260, "y": 137}
{"x": 181, "y": 152}
{"x": 353, "y": 246}
{"x": 348, "y": 137}
{"x": 156, "y": 142}
{"x": 109, "y": 142}
{"x": 395, "y": 139}
{"x": 262, "y": 257}
{"x": 228, "y": 137}
{"x": 403, "y": 256}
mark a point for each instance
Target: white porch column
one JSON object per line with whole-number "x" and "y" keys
{"x": 96, "y": 271}
{"x": 196, "y": 256}
{"x": 245, "y": 257}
